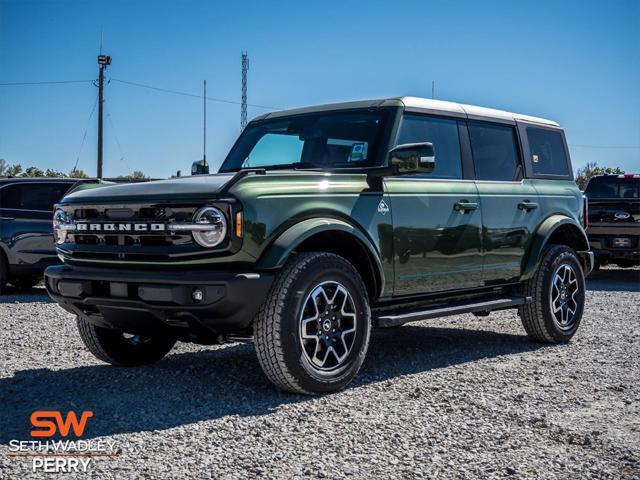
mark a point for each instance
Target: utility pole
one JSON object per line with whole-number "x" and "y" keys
{"x": 103, "y": 61}
{"x": 243, "y": 108}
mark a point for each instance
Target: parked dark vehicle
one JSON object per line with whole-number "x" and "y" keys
{"x": 324, "y": 222}
{"x": 614, "y": 219}
{"x": 26, "y": 241}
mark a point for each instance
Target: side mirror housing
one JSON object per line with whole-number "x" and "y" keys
{"x": 413, "y": 158}
{"x": 200, "y": 167}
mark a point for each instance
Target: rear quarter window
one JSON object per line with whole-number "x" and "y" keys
{"x": 548, "y": 153}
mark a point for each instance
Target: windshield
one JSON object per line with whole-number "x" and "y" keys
{"x": 326, "y": 140}
{"x": 613, "y": 187}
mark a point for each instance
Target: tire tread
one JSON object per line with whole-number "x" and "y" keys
{"x": 268, "y": 321}
{"x": 532, "y": 314}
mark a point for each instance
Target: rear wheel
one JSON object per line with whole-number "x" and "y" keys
{"x": 312, "y": 332}
{"x": 558, "y": 292}
{"x": 123, "y": 349}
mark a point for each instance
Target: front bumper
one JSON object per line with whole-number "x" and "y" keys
{"x": 148, "y": 301}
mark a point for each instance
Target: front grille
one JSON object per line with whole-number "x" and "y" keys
{"x": 154, "y": 246}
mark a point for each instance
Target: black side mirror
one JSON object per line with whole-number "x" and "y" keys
{"x": 413, "y": 158}
{"x": 200, "y": 167}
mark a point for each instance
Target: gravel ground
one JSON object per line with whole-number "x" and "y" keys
{"x": 458, "y": 397}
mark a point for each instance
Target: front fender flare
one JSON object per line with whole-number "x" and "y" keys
{"x": 541, "y": 238}
{"x": 276, "y": 254}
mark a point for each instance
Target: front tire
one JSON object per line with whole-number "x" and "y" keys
{"x": 558, "y": 292}
{"x": 121, "y": 349}
{"x": 312, "y": 332}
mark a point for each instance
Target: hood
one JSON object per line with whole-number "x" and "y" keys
{"x": 184, "y": 188}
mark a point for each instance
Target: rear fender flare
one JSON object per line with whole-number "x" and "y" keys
{"x": 541, "y": 239}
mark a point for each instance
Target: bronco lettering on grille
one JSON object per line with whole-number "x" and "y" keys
{"x": 120, "y": 227}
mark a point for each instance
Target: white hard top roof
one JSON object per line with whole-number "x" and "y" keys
{"x": 422, "y": 105}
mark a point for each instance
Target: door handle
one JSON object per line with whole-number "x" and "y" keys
{"x": 7, "y": 218}
{"x": 464, "y": 206}
{"x": 526, "y": 205}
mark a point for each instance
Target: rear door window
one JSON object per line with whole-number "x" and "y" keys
{"x": 548, "y": 153}
{"x": 613, "y": 188}
{"x": 32, "y": 196}
{"x": 443, "y": 134}
{"x": 495, "y": 152}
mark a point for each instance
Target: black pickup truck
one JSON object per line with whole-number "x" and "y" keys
{"x": 614, "y": 219}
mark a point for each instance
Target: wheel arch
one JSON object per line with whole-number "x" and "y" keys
{"x": 556, "y": 229}
{"x": 333, "y": 236}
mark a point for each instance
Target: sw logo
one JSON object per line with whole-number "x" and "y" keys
{"x": 46, "y": 423}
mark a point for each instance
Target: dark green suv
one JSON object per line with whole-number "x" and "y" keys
{"x": 324, "y": 222}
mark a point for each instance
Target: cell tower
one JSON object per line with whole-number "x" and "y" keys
{"x": 243, "y": 108}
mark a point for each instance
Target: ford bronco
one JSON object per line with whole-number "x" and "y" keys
{"x": 324, "y": 222}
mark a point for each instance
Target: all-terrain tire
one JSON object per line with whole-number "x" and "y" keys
{"x": 539, "y": 318}
{"x": 280, "y": 346}
{"x": 114, "y": 347}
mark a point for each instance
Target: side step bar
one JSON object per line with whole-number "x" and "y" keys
{"x": 398, "y": 318}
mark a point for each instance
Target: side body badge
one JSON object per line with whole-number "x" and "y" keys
{"x": 383, "y": 208}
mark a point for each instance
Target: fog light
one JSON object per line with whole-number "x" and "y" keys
{"x": 197, "y": 294}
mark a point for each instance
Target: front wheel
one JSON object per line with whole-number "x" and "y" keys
{"x": 123, "y": 349}
{"x": 312, "y": 332}
{"x": 558, "y": 291}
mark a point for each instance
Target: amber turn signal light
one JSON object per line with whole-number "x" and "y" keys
{"x": 239, "y": 224}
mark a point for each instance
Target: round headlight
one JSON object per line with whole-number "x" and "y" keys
{"x": 214, "y": 227}
{"x": 61, "y": 225}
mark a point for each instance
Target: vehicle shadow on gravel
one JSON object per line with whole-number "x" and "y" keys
{"x": 614, "y": 279}
{"x": 31, "y": 295}
{"x": 185, "y": 388}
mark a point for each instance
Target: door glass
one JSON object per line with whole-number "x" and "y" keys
{"x": 495, "y": 153}
{"x": 443, "y": 134}
{"x": 32, "y": 196}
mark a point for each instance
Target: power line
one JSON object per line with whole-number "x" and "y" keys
{"x": 84, "y": 135}
{"x": 193, "y": 95}
{"x": 9, "y": 84}
{"x": 115, "y": 136}
{"x": 603, "y": 146}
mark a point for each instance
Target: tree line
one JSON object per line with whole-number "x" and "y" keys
{"x": 15, "y": 170}
{"x": 582, "y": 176}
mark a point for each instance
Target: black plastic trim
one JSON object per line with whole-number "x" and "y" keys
{"x": 139, "y": 301}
